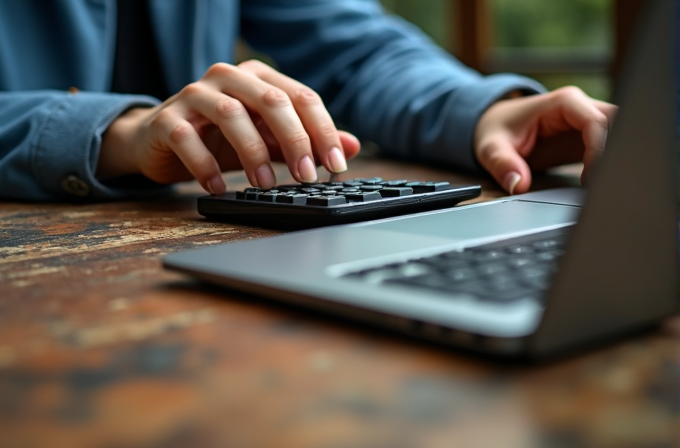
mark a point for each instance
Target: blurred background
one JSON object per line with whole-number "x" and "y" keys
{"x": 558, "y": 42}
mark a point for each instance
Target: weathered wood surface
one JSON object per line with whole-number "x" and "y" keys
{"x": 100, "y": 347}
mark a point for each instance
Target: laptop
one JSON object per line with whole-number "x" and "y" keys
{"x": 527, "y": 276}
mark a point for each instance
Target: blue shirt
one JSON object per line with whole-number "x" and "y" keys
{"x": 378, "y": 75}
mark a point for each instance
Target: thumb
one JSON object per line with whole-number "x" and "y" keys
{"x": 500, "y": 158}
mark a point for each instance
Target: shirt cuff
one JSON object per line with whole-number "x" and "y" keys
{"x": 66, "y": 151}
{"x": 466, "y": 107}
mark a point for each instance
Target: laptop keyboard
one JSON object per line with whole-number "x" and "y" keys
{"x": 503, "y": 271}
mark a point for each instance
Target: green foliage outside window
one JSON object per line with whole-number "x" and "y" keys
{"x": 559, "y": 24}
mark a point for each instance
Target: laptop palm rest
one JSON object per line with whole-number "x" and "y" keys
{"x": 498, "y": 220}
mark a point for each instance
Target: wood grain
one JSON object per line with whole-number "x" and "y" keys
{"x": 100, "y": 347}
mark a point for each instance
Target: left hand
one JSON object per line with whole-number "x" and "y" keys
{"x": 536, "y": 132}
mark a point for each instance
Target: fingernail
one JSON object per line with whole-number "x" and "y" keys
{"x": 307, "y": 169}
{"x": 216, "y": 185}
{"x": 511, "y": 181}
{"x": 604, "y": 139}
{"x": 337, "y": 160}
{"x": 266, "y": 179}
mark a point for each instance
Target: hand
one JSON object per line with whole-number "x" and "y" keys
{"x": 233, "y": 117}
{"x": 536, "y": 132}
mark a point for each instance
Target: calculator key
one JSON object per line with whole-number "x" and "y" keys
{"x": 252, "y": 195}
{"x": 350, "y": 190}
{"x": 352, "y": 184}
{"x": 371, "y": 187}
{"x": 390, "y": 192}
{"x": 363, "y": 196}
{"x": 267, "y": 197}
{"x": 329, "y": 192}
{"x": 396, "y": 183}
{"x": 310, "y": 190}
{"x": 426, "y": 187}
{"x": 326, "y": 200}
{"x": 288, "y": 187}
{"x": 298, "y": 199}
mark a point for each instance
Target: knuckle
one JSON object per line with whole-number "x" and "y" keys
{"x": 203, "y": 166}
{"x": 180, "y": 132}
{"x": 601, "y": 120}
{"x": 162, "y": 121}
{"x": 569, "y": 92}
{"x": 307, "y": 97}
{"x": 229, "y": 108}
{"x": 254, "y": 148}
{"x": 275, "y": 97}
{"x": 191, "y": 89}
{"x": 298, "y": 139}
{"x": 252, "y": 65}
{"x": 327, "y": 131}
{"x": 219, "y": 69}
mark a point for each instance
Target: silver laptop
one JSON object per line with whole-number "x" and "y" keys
{"x": 525, "y": 276}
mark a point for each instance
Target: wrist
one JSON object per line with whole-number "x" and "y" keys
{"x": 117, "y": 153}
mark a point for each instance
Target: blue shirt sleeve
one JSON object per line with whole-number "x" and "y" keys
{"x": 49, "y": 143}
{"x": 380, "y": 76}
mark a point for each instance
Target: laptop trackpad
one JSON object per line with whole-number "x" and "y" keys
{"x": 483, "y": 221}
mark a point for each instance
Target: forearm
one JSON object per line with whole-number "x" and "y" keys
{"x": 117, "y": 154}
{"x": 380, "y": 76}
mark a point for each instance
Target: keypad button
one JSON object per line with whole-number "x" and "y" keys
{"x": 427, "y": 187}
{"x": 390, "y": 192}
{"x": 298, "y": 199}
{"x": 326, "y": 201}
{"x": 352, "y": 184}
{"x": 371, "y": 187}
{"x": 363, "y": 196}
{"x": 267, "y": 197}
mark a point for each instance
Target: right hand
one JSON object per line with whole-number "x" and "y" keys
{"x": 234, "y": 117}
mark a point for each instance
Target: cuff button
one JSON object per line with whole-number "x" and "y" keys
{"x": 75, "y": 185}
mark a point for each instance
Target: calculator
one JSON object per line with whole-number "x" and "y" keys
{"x": 300, "y": 206}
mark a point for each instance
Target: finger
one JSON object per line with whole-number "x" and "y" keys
{"x": 236, "y": 126}
{"x": 313, "y": 114}
{"x": 180, "y": 136}
{"x": 582, "y": 114}
{"x": 498, "y": 156}
{"x": 350, "y": 144}
{"x": 277, "y": 110}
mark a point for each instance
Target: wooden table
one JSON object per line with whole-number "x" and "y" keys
{"x": 101, "y": 347}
